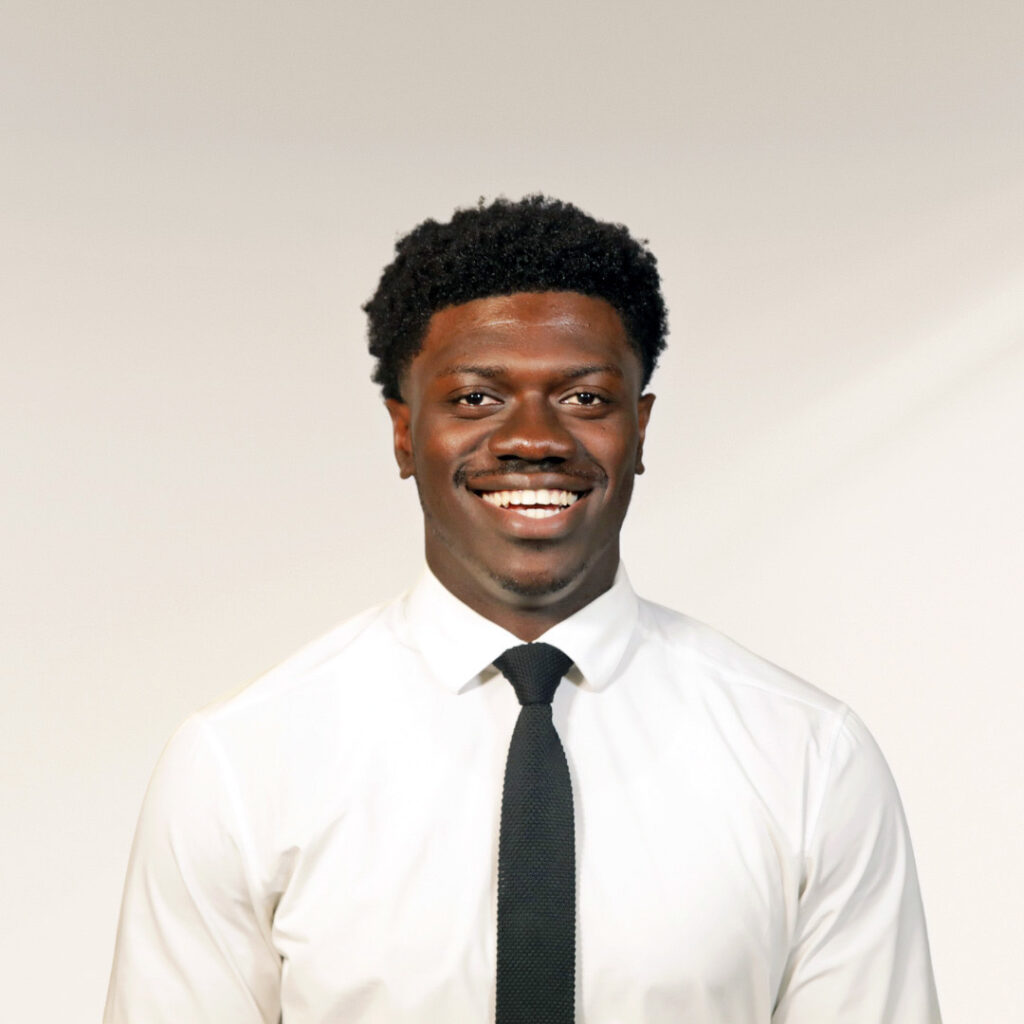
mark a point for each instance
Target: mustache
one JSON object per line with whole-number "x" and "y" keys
{"x": 525, "y": 467}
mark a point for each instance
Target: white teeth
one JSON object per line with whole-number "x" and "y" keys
{"x": 524, "y": 500}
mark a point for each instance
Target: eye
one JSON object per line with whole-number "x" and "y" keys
{"x": 475, "y": 399}
{"x": 585, "y": 398}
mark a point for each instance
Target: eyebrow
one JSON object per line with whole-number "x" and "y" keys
{"x": 491, "y": 372}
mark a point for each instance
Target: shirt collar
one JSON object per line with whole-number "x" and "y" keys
{"x": 459, "y": 645}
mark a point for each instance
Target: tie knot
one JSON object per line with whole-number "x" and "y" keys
{"x": 534, "y": 670}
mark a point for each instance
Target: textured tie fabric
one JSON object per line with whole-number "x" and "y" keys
{"x": 536, "y": 852}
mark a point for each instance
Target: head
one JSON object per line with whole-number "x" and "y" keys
{"x": 513, "y": 347}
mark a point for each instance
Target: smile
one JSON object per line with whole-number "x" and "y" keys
{"x": 539, "y": 504}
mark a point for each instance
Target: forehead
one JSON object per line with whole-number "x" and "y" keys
{"x": 530, "y": 327}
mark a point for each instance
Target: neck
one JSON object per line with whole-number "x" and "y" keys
{"x": 527, "y": 615}
{"x": 527, "y": 623}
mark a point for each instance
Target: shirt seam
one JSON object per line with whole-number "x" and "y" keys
{"x": 826, "y": 781}
{"x": 837, "y": 708}
{"x": 245, "y": 841}
{"x": 233, "y": 703}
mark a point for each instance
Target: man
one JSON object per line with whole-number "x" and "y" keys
{"x": 719, "y": 841}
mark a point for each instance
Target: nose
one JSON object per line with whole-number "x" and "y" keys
{"x": 532, "y": 430}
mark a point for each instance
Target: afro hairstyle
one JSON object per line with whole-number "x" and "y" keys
{"x": 534, "y": 244}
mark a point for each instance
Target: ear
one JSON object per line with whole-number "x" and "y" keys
{"x": 400, "y": 420}
{"x": 643, "y": 414}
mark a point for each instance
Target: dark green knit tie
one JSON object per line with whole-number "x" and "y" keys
{"x": 536, "y": 852}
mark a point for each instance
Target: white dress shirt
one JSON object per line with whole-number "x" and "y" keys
{"x": 322, "y": 847}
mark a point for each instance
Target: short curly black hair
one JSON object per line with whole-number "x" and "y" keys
{"x": 533, "y": 244}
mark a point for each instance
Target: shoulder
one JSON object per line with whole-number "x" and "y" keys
{"x": 798, "y": 742}
{"x": 307, "y": 675}
{"x": 706, "y": 658}
{"x": 254, "y": 752}
{"x": 761, "y": 715}
{"x": 265, "y": 731}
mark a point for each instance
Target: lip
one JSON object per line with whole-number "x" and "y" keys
{"x": 531, "y": 482}
{"x": 526, "y": 527}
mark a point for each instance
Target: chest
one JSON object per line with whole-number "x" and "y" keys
{"x": 687, "y": 884}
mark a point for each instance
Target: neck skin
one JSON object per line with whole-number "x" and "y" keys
{"x": 530, "y": 616}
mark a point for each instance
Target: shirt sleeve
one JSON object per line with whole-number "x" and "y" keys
{"x": 193, "y": 943}
{"x": 860, "y": 950}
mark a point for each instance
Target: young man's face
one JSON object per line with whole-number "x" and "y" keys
{"x": 523, "y": 423}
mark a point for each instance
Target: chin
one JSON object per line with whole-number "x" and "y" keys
{"x": 536, "y": 585}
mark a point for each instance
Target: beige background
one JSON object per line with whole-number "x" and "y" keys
{"x": 197, "y": 197}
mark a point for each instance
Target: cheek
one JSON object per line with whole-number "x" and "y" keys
{"x": 440, "y": 453}
{"x": 612, "y": 447}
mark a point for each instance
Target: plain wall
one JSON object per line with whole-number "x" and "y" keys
{"x": 197, "y": 197}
